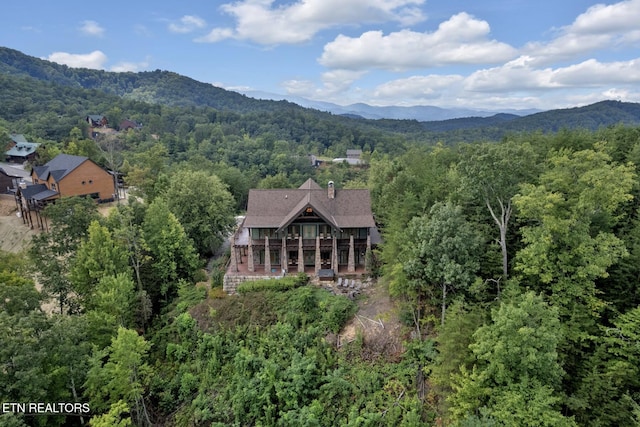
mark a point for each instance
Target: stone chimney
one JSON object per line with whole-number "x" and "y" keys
{"x": 331, "y": 191}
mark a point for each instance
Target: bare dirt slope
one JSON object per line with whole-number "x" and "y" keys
{"x": 377, "y": 323}
{"x": 14, "y": 234}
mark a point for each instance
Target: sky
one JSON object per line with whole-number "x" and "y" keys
{"x": 482, "y": 54}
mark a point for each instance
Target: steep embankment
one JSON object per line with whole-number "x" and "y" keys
{"x": 14, "y": 235}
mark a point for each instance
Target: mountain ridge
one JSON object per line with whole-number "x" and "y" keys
{"x": 421, "y": 113}
{"x": 173, "y": 90}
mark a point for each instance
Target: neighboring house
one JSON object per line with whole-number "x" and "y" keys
{"x": 65, "y": 176}
{"x": 8, "y": 181}
{"x": 326, "y": 232}
{"x": 97, "y": 121}
{"x": 315, "y": 161}
{"x": 74, "y": 176}
{"x": 354, "y": 154}
{"x": 353, "y": 158}
{"x": 20, "y": 150}
{"x": 129, "y": 124}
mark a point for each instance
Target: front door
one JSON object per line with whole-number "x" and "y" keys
{"x": 309, "y": 258}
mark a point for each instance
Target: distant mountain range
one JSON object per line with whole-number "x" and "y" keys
{"x": 423, "y": 123}
{"x": 421, "y": 113}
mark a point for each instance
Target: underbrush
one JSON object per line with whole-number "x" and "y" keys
{"x": 262, "y": 358}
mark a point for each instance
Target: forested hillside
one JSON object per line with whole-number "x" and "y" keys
{"x": 170, "y": 89}
{"x": 513, "y": 264}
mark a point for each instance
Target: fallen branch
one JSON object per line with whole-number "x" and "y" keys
{"x": 377, "y": 322}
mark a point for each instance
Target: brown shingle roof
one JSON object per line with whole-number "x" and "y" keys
{"x": 278, "y": 208}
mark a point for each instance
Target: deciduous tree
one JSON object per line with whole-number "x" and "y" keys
{"x": 492, "y": 172}
{"x": 441, "y": 252}
{"x": 517, "y": 373}
{"x": 204, "y": 207}
{"x": 569, "y": 242}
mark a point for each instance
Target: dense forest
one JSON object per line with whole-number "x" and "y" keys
{"x": 512, "y": 258}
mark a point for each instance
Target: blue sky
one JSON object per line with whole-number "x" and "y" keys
{"x": 489, "y": 54}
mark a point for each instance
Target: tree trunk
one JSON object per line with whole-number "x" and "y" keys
{"x": 444, "y": 301}
{"x": 75, "y": 394}
{"x": 416, "y": 319}
{"x": 502, "y": 222}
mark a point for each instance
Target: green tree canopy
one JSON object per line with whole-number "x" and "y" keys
{"x": 441, "y": 252}
{"x": 204, "y": 207}
{"x": 517, "y": 371}
{"x": 171, "y": 250}
{"x": 569, "y": 241}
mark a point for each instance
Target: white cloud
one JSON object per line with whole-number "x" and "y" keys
{"x": 94, "y": 60}
{"x": 608, "y": 19}
{"x": 123, "y": 67}
{"x": 600, "y": 27}
{"x": 334, "y": 83}
{"x": 92, "y": 28}
{"x": 594, "y": 73}
{"x": 216, "y": 35}
{"x": 521, "y": 75}
{"x": 460, "y": 40}
{"x": 337, "y": 81}
{"x": 416, "y": 88}
{"x": 261, "y": 22}
{"x": 304, "y": 88}
{"x": 187, "y": 24}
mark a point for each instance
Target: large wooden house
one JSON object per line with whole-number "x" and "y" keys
{"x": 64, "y": 176}
{"x": 326, "y": 232}
{"x": 69, "y": 175}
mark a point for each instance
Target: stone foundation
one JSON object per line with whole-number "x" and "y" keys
{"x": 230, "y": 282}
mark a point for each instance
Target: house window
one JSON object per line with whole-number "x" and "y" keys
{"x": 54, "y": 187}
{"x": 261, "y": 233}
{"x": 309, "y": 231}
{"x": 325, "y": 230}
{"x": 293, "y": 231}
{"x": 343, "y": 257}
{"x": 274, "y": 254}
{"x": 358, "y": 233}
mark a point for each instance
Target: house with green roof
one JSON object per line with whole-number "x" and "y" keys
{"x": 20, "y": 150}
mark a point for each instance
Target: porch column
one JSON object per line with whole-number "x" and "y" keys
{"x": 300, "y": 256}
{"x": 234, "y": 257}
{"x": 334, "y": 254}
{"x": 351, "y": 265}
{"x": 318, "y": 257}
{"x": 267, "y": 255}
{"x": 368, "y": 256}
{"x": 283, "y": 255}
{"x": 250, "y": 265}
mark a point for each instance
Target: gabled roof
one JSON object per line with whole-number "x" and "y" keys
{"x": 350, "y": 208}
{"x": 37, "y": 192}
{"x": 46, "y": 194}
{"x": 4, "y": 172}
{"x": 310, "y": 185}
{"x": 306, "y": 202}
{"x": 22, "y": 149}
{"x": 31, "y": 190}
{"x": 59, "y": 167}
{"x": 17, "y": 137}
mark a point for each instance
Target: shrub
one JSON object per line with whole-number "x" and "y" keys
{"x": 284, "y": 284}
